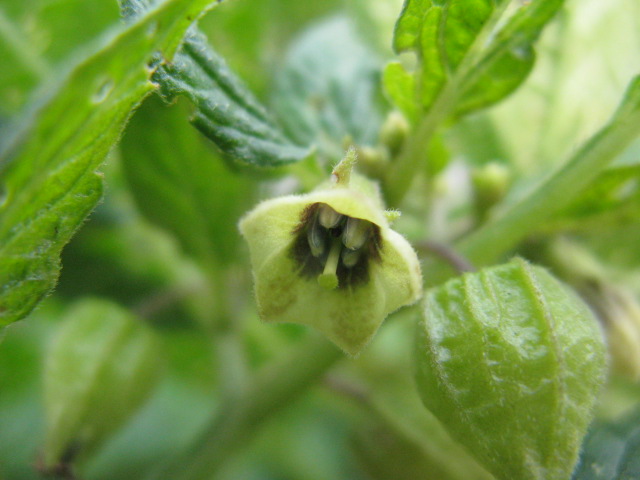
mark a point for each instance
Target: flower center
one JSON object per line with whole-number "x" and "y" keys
{"x": 335, "y": 248}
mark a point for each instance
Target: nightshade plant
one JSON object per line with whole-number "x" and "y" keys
{"x": 401, "y": 241}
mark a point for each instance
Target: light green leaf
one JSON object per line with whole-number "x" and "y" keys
{"x": 328, "y": 88}
{"x": 400, "y": 86}
{"x": 611, "y": 450}
{"x": 226, "y": 111}
{"x": 49, "y": 178}
{"x": 511, "y": 362}
{"x": 182, "y": 185}
{"x": 468, "y": 55}
{"x": 409, "y": 25}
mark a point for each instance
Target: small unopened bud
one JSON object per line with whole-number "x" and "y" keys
{"x": 394, "y": 132}
{"x": 490, "y": 184}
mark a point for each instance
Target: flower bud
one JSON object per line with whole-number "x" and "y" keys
{"x": 329, "y": 260}
{"x": 394, "y": 132}
{"x": 490, "y": 184}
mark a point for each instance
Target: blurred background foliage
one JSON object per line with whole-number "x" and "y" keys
{"x": 162, "y": 258}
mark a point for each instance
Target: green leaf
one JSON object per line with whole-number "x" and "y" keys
{"x": 328, "y": 88}
{"x": 226, "y": 111}
{"x": 23, "y": 65}
{"x": 469, "y": 56}
{"x": 511, "y": 361}
{"x": 180, "y": 184}
{"x": 50, "y": 182}
{"x": 612, "y": 199}
{"x": 252, "y": 35}
{"x": 496, "y": 237}
{"x": 102, "y": 365}
{"x": 35, "y": 36}
{"x": 611, "y": 450}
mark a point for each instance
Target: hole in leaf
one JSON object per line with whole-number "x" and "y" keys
{"x": 102, "y": 92}
{"x": 152, "y": 29}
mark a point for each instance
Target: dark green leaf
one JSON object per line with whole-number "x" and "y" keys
{"x": 328, "y": 88}
{"x": 469, "y": 57}
{"x": 226, "y": 112}
{"x": 611, "y": 451}
{"x": 50, "y": 182}
{"x": 182, "y": 185}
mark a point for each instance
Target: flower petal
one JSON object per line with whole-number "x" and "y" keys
{"x": 350, "y": 202}
{"x": 401, "y": 276}
{"x": 349, "y": 317}
{"x": 268, "y": 227}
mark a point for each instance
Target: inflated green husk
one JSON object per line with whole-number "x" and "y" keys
{"x": 511, "y": 362}
{"x": 101, "y": 366}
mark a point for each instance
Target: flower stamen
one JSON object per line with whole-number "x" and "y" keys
{"x": 316, "y": 237}
{"x": 350, "y": 257}
{"x": 328, "y": 217}
{"x": 356, "y": 233}
{"x": 329, "y": 278}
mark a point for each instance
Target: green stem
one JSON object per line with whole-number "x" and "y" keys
{"x": 271, "y": 391}
{"x": 400, "y": 177}
{"x": 494, "y": 239}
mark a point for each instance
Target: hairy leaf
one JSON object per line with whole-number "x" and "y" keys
{"x": 468, "y": 55}
{"x": 511, "y": 361}
{"x": 328, "y": 88}
{"x": 49, "y": 177}
{"x": 226, "y": 111}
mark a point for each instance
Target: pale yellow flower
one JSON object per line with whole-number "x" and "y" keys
{"x": 329, "y": 259}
